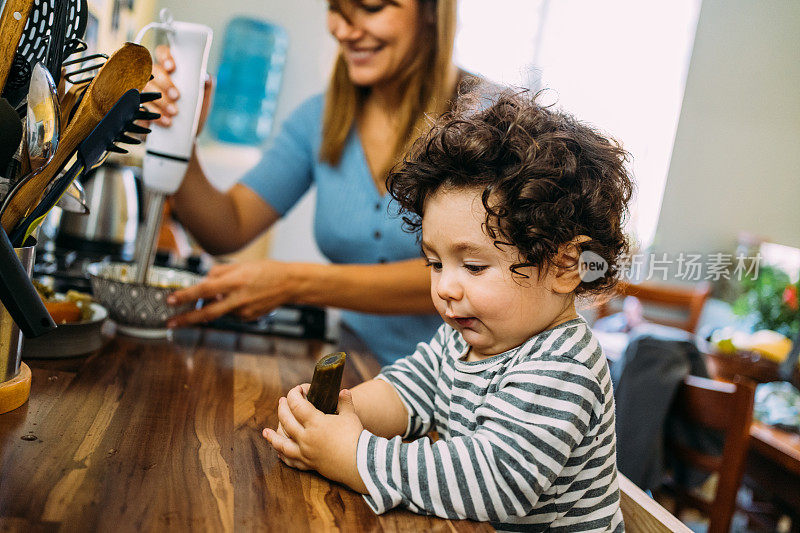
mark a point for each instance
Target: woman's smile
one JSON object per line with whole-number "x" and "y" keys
{"x": 377, "y": 40}
{"x": 361, "y": 55}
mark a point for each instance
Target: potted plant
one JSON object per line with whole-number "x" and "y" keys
{"x": 771, "y": 300}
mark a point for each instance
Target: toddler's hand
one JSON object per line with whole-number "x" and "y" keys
{"x": 313, "y": 440}
{"x": 289, "y": 462}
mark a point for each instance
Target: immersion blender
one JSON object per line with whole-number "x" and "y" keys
{"x": 168, "y": 149}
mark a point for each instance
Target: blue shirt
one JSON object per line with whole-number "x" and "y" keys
{"x": 353, "y": 222}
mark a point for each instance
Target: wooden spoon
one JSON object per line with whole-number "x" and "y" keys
{"x": 128, "y": 68}
{"x": 12, "y": 23}
{"x": 68, "y": 102}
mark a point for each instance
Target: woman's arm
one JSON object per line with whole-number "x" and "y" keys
{"x": 398, "y": 287}
{"x": 222, "y": 222}
{"x": 253, "y": 288}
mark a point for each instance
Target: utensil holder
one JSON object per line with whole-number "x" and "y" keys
{"x": 15, "y": 376}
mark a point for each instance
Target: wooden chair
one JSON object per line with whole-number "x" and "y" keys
{"x": 687, "y": 299}
{"x": 642, "y": 514}
{"x": 727, "y": 408}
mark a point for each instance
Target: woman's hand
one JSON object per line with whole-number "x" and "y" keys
{"x": 312, "y": 440}
{"x": 248, "y": 289}
{"x": 168, "y": 105}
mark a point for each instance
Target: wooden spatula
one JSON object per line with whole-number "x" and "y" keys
{"x": 68, "y": 103}
{"x": 12, "y": 23}
{"x": 128, "y": 68}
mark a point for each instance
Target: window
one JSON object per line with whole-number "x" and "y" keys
{"x": 620, "y": 65}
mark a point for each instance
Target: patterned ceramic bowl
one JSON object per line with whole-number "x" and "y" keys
{"x": 139, "y": 309}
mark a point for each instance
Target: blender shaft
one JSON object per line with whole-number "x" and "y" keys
{"x": 146, "y": 249}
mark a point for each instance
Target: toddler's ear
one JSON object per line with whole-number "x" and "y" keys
{"x": 567, "y": 265}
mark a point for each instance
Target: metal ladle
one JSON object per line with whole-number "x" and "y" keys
{"x": 41, "y": 128}
{"x": 43, "y": 120}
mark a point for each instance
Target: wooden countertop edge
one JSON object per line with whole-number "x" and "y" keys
{"x": 778, "y": 449}
{"x": 644, "y": 514}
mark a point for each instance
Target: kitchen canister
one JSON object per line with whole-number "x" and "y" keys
{"x": 248, "y": 81}
{"x": 112, "y": 197}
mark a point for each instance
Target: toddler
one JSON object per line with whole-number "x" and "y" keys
{"x": 508, "y": 200}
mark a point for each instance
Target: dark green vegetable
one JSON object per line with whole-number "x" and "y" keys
{"x": 326, "y": 383}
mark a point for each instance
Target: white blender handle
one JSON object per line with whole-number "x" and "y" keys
{"x": 169, "y": 148}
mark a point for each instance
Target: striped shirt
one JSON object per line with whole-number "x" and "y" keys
{"x": 527, "y": 437}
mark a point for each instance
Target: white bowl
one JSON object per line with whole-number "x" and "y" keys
{"x": 70, "y": 339}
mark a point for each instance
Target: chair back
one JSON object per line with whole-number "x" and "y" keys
{"x": 689, "y": 300}
{"x": 727, "y": 408}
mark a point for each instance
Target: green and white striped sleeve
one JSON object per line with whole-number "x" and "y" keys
{"x": 415, "y": 380}
{"x": 526, "y": 432}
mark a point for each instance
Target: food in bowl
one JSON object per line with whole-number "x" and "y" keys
{"x": 138, "y": 305}
{"x": 63, "y": 312}
{"x": 66, "y": 308}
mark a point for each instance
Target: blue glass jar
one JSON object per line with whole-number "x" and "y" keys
{"x": 248, "y": 81}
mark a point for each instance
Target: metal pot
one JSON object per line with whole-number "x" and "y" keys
{"x": 114, "y": 206}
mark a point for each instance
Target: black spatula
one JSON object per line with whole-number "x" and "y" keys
{"x": 18, "y": 294}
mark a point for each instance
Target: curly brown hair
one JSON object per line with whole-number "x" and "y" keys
{"x": 546, "y": 178}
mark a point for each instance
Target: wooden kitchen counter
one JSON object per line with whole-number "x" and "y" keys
{"x": 152, "y": 435}
{"x": 773, "y": 469}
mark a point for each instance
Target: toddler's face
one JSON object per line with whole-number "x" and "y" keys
{"x": 471, "y": 282}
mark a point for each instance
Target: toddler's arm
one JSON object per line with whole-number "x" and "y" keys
{"x": 527, "y": 432}
{"x": 379, "y": 408}
{"x": 308, "y": 439}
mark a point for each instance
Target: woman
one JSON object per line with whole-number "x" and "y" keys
{"x": 394, "y": 68}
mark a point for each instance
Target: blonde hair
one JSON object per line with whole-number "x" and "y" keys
{"x": 427, "y": 86}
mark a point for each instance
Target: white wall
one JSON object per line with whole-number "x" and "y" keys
{"x": 310, "y": 56}
{"x": 736, "y": 160}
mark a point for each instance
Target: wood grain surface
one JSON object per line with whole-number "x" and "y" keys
{"x": 780, "y": 446}
{"x": 154, "y": 435}
{"x": 643, "y": 514}
{"x": 773, "y": 469}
